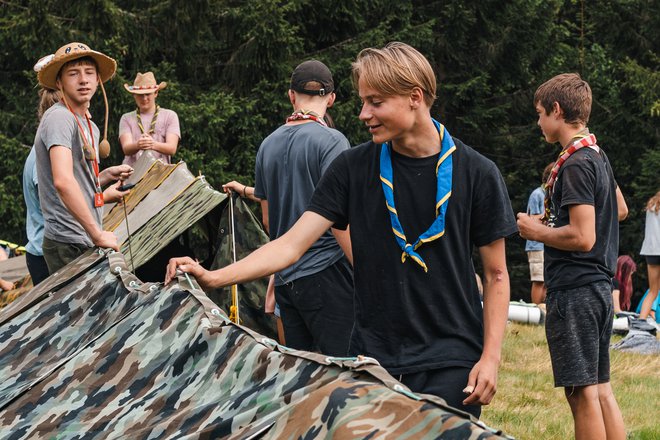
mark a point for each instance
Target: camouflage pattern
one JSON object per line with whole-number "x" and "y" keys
{"x": 99, "y": 354}
{"x": 252, "y": 296}
{"x": 196, "y": 200}
{"x": 156, "y": 174}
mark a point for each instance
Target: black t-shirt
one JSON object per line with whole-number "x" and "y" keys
{"x": 408, "y": 319}
{"x": 586, "y": 178}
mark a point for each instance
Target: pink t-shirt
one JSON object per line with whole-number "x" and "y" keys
{"x": 167, "y": 122}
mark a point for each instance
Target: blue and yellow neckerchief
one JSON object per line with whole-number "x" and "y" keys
{"x": 443, "y": 172}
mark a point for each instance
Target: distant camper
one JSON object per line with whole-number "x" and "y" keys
{"x": 149, "y": 127}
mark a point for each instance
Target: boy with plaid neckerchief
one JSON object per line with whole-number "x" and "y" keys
{"x": 580, "y": 233}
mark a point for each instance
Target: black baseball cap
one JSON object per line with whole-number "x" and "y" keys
{"x": 312, "y": 70}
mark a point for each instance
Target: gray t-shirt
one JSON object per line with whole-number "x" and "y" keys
{"x": 289, "y": 165}
{"x": 58, "y": 127}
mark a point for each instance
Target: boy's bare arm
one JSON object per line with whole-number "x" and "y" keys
{"x": 577, "y": 236}
{"x": 69, "y": 191}
{"x": 270, "y": 258}
{"x": 482, "y": 382}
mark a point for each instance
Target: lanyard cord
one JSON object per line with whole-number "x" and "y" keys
{"x": 152, "y": 126}
{"x": 89, "y": 153}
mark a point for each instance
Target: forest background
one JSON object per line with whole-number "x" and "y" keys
{"x": 228, "y": 63}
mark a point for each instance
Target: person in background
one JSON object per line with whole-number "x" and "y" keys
{"x": 533, "y": 248}
{"x": 4, "y": 284}
{"x": 34, "y": 221}
{"x": 148, "y": 127}
{"x": 651, "y": 251}
{"x": 580, "y": 233}
{"x": 316, "y": 293}
{"x": 622, "y": 288}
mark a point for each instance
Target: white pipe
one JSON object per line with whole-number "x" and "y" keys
{"x": 527, "y": 314}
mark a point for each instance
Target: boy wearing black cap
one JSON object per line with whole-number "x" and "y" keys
{"x": 67, "y": 148}
{"x": 315, "y": 295}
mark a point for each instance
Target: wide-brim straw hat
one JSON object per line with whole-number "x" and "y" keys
{"x": 47, "y": 75}
{"x": 144, "y": 83}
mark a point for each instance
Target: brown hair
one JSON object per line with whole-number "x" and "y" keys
{"x": 395, "y": 70}
{"x": 571, "y": 92}
{"x": 654, "y": 203}
{"x": 47, "y": 98}
{"x": 84, "y": 61}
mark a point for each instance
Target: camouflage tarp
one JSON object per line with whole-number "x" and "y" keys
{"x": 166, "y": 201}
{"x": 99, "y": 354}
{"x": 252, "y": 296}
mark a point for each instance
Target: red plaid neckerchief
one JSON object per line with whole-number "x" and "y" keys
{"x": 586, "y": 141}
{"x": 302, "y": 115}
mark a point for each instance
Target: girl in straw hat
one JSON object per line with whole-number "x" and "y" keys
{"x": 67, "y": 148}
{"x": 149, "y": 127}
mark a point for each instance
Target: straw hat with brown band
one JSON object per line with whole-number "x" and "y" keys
{"x": 144, "y": 83}
{"x": 49, "y": 66}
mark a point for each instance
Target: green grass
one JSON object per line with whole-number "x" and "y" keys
{"x": 527, "y": 406}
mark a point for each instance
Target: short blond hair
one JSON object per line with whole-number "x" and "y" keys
{"x": 396, "y": 69}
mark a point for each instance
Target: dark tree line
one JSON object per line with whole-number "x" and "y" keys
{"x": 227, "y": 63}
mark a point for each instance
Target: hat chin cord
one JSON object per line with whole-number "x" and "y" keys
{"x": 104, "y": 145}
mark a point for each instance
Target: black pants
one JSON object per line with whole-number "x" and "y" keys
{"x": 317, "y": 310}
{"x": 446, "y": 383}
{"x": 37, "y": 267}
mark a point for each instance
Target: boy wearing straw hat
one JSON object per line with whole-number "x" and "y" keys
{"x": 149, "y": 127}
{"x": 67, "y": 148}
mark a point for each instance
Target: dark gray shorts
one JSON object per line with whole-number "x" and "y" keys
{"x": 578, "y": 326}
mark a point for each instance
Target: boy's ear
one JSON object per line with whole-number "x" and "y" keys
{"x": 292, "y": 97}
{"x": 416, "y": 98}
{"x": 556, "y": 109}
{"x": 331, "y": 99}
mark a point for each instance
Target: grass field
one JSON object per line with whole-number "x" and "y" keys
{"x": 527, "y": 406}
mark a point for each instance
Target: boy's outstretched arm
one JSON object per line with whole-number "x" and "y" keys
{"x": 482, "y": 381}
{"x": 579, "y": 235}
{"x": 270, "y": 258}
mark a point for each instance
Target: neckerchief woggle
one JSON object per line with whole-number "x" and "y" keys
{"x": 443, "y": 172}
{"x": 587, "y": 140}
{"x": 305, "y": 115}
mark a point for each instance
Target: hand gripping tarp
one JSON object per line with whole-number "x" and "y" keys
{"x": 95, "y": 353}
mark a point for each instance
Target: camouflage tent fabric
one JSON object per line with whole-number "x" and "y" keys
{"x": 248, "y": 236}
{"x": 166, "y": 201}
{"x": 96, "y": 353}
